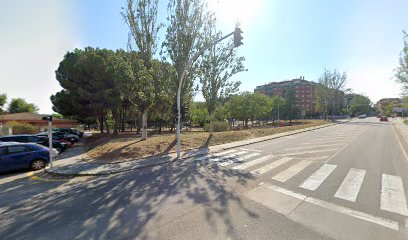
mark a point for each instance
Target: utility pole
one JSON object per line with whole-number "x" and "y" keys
{"x": 50, "y": 150}
{"x": 237, "y": 42}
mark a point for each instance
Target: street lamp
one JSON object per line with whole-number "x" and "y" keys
{"x": 237, "y": 42}
{"x": 49, "y": 120}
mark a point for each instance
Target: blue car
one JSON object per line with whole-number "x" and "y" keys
{"x": 15, "y": 156}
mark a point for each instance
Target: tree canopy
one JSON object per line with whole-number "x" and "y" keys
{"x": 19, "y": 105}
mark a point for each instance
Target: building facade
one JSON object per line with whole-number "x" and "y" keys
{"x": 305, "y": 93}
{"x": 35, "y": 120}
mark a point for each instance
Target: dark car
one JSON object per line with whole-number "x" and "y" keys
{"x": 60, "y": 136}
{"x": 27, "y": 138}
{"x": 70, "y": 131}
{"x": 15, "y": 156}
{"x": 383, "y": 119}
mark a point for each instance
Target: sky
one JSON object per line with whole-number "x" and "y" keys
{"x": 283, "y": 39}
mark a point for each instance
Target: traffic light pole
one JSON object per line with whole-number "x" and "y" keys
{"x": 50, "y": 142}
{"x": 181, "y": 80}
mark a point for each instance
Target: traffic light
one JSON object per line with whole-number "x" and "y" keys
{"x": 184, "y": 114}
{"x": 238, "y": 37}
{"x": 47, "y": 118}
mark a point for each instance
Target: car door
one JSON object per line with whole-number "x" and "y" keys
{"x": 18, "y": 156}
{"x": 3, "y": 153}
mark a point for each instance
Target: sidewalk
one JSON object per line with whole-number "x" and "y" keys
{"x": 73, "y": 165}
{"x": 402, "y": 132}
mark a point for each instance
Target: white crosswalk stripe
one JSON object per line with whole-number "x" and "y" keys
{"x": 271, "y": 166}
{"x": 224, "y": 153}
{"x": 316, "y": 146}
{"x": 393, "y": 195}
{"x": 292, "y": 171}
{"x": 239, "y": 159}
{"x": 223, "y": 158}
{"x": 350, "y": 187}
{"x": 317, "y": 178}
{"x": 253, "y": 162}
{"x": 313, "y": 151}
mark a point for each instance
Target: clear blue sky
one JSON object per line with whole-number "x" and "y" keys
{"x": 282, "y": 40}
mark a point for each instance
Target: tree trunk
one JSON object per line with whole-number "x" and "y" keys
{"x": 161, "y": 119}
{"x": 116, "y": 121}
{"x": 107, "y": 127}
{"x": 101, "y": 122}
{"x": 123, "y": 119}
{"x": 211, "y": 123}
{"x": 144, "y": 126}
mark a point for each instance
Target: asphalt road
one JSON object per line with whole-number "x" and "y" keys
{"x": 347, "y": 181}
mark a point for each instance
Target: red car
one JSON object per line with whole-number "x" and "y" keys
{"x": 383, "y": 119}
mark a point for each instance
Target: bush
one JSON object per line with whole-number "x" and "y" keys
{"x": 22, "y": 128}
{"x": 218, "y": 126}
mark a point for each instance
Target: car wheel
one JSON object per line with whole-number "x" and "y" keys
{"x": 37, "y": 164}
{"x": 59, "y": 150}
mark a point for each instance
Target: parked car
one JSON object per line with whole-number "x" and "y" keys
{"x": 60, "y": 136}
{"x": 70, "y": 131}
{"x": 56, "y": 138}
{"x": 383, "y": 119}
{"x": 362, "y": 116}
{"x": 28, "y": 138}
{"x": 15, "y": 156}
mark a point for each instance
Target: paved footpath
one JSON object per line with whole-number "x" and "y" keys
{"x": 73, "y": 163}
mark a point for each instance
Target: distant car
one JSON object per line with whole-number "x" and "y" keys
{"x": 362, "y": 116}
{"x": 28, "y": 138}
{"x": 383, "y": 119}
{"x": 15, "y": 156}
{"x": 70, "y": 131}
{"x": 60, "y": 137}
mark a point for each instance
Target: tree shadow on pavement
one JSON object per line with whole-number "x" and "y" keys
{"x": 140, "y": 204}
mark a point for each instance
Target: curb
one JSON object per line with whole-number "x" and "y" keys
{"x": 110, "y": 172}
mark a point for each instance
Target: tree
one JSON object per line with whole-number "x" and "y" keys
{"x": 329, "y": 94}
{"x": 141, "y": 17}
{"x": 401, "y": 74}
{"x": 278, "y": 103}
{"x": 182, "y": 39}
{"x": 216, "y": 67}
{"x": 3, "y": 100}
{"x": 360, "y": 104}
{"x": 290, "y": 110}
{"x": 19, "y": 105}
{"x": 199, "y": 114}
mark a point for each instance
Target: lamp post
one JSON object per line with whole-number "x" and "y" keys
{"x": 237, "y": 42}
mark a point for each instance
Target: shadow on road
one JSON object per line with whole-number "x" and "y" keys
{"x": 134, "y": 205}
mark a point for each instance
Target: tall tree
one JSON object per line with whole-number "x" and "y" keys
{"x": 182, "y": 39}
{"x": 401, "y": 74}
{"x": 215, "y": 68}
{"x": 290, "y": 111}
{"x": 19, "y": 105}
{"x": 141, "y": 17}
{"x": 3, "y": 100}
{"x": 360, "y": 104}
{"x": 330, "y": 94}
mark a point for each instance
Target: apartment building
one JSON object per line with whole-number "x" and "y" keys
{"x": 305, "y": 93}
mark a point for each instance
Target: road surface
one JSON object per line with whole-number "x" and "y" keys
{"x": 347, "y": 181}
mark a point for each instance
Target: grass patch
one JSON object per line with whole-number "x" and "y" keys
{"x": 406, "y": 121}
{"x": 125, "y": 146}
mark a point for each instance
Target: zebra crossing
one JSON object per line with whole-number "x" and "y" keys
{"x": 392, "y": 196}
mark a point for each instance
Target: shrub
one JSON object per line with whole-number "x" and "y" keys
{"x": 22, "y": 128}
{"x": 218, "y": 126}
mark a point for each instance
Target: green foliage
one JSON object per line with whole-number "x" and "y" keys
{"x": 19, "y": 105}
{"x": 218, "y": 126}
{"x": 3, "y": 100}
{"x": 199, "y": 114}
{"x": 330, "y": 92}
{"x": 401, "y": 74}
{"x": 22, "y": 128}
{"x": 360, "y": 104}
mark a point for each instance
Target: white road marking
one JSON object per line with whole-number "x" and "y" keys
{"x": 331, "y": 138}
{"x": 292, "y": 171}
{"x": 253, "y": 162}
{"x": 314, "y": 158}
{"x": 317, "y": 146}
{"x": 271, "y": 166}
{"x": 224, "y": 153}
{"x": 254, "y": 150}
{"x": 317, "y": 178}
{"x": 308, "y": 152}
{"x": 239, "y": 159}
{"x": 331, "y": 206}
{"x": 322, "y": 142}
{"x": 393, "y": 195}
{"x": 350, "y": 187}
{"x": 223, "y": 158}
